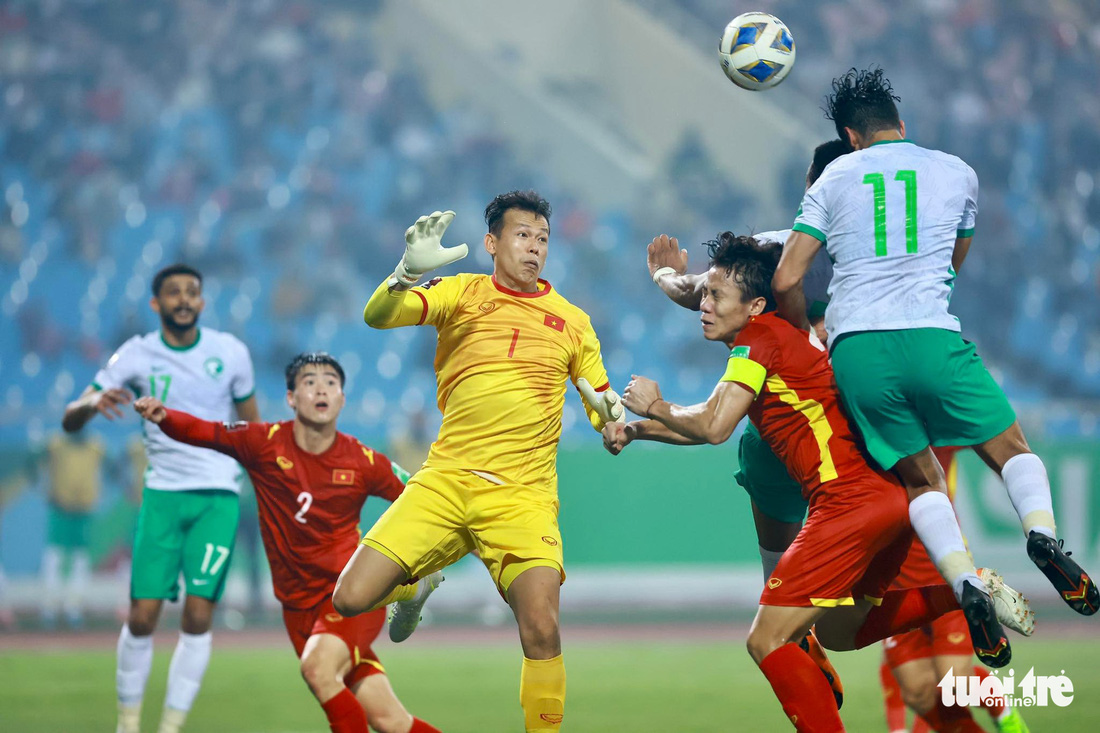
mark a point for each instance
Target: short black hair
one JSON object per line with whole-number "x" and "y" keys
{"x": 177, "y": 269}
{"x": 311, "y": 357}
{"x": 824, "y": 154}
{"x": 863, "y": 100}
{"x": 525, "y": 200}
{"x": 752, "y": 264}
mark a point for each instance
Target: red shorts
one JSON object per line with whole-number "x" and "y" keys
{"x": 917, "y": 570}
{"x": 851, "y": 547}
{"x": 358, "y": 632}
{"x": 948, "y": 635}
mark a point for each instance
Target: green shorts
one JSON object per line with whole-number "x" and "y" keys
{"x": 765, "y": 478}
{"x": 68, "y": 529}
{"x": 908, "y": 389}
{"x": 183, "y": 531}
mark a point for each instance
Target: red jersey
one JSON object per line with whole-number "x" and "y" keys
{"x": 797, "y": 408}
{"x": 308, "y": 504}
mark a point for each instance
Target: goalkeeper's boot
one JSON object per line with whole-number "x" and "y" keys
{"x": 405, "y": 615}
{"x": 989, "y": 640}
{"x": 1072, "y": 583}
{"x": 816, "y": 652}
{"x": 1013, "y": 609}
{"x": 1012, "y": 722}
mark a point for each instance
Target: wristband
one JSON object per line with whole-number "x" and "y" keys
{"x": 661, "y": 272}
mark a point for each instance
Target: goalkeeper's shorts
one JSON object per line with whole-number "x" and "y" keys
{"x": 443, "y": 514}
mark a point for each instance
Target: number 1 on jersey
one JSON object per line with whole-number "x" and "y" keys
{"x": 515, "y": 338}
{"x": 877, "y": 181}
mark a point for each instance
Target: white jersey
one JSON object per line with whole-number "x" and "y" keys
{"x": 815, "y": 283}
{"x": 204, "y": 379}
{"x": 889, "y": 216}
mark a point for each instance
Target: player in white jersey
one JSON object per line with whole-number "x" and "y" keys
{"x": 189, "y": 509}
{"x": 898, "y": 220}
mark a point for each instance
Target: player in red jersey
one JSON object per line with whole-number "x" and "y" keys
{"x": 311, "y": 482}
{"x": 838, "y": 571}
{"x": 915, "y": 662}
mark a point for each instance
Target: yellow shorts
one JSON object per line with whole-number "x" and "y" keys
{"x": 444, "y": 514}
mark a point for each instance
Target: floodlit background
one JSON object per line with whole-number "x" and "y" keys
{"x": 283, "y": 148}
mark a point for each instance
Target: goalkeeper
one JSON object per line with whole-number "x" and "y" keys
{"x": 507, "y": 343}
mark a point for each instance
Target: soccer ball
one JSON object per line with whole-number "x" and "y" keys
{"x": 757, "y": 51}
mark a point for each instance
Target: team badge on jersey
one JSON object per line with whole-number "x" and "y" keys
{"x": 344, "y": 476}
{"x": 214, "y": 367}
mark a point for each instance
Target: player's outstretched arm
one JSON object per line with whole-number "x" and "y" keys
{"x": 91, "y": 402}
{"x": 668, "y": 268}
{"x": 798, "y": 253}
{"x": 617, "y": 436}
{"x": 711, "y": 422}
{"x": 424, "y": 252}
{"x": 186, "y": 428}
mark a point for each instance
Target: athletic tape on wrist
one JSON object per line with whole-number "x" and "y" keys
{"x": 661, "y": 272}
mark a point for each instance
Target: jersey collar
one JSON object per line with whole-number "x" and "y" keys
{"x": 889, "y": 142}
{"x": 198, "y": 338}
{"x": 518, "y": 294}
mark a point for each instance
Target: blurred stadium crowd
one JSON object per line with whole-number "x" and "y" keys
{"x": 264, "y": 143}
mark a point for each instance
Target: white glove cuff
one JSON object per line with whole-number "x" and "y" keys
{"x": 661, "y": 272}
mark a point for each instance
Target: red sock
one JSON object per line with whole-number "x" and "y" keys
{"x": 996, "y": 708}
{"x": 891, "y": 697}
{"x": 802, "y": 690}
{"x": 905, "y": 610}
{"x": 345, "y": 714}
{"x": 953, "y": 719}
{"x": 419, "y": 726}
{"x": 920, "y": 725}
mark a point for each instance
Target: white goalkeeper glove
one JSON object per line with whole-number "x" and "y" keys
{"x": 423, "y": 250}
{"x": 607, "y": 404}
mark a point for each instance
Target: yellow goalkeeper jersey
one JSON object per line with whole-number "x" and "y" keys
{"x": 501, "y": 363}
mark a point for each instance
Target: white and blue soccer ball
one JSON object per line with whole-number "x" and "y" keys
{"x": 757, "y": 51}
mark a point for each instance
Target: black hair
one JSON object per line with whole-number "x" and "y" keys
{"x": 863, "y": 100}
{"x": 824, "y": 154}
{"x": 311, "y": 357}
{"x": 751, "y": 263}
{"x": 525, "y": 200}
{"x": 177, "y": 269}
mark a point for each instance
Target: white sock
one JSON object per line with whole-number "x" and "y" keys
{"x": 1025, "y": 476}
{"x": 186, "y": 670}
{"x": 935, "y": 522}
{"x": 135, "y": 657}
{"x": 769, "y": 559}
{"x": 51, "y": 579}
{"x": 78, "y": 584}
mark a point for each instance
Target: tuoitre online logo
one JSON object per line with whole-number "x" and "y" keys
{"x": 1031, "y": 690}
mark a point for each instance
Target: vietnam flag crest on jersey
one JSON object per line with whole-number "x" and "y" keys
{"x": 343, "y": 476}
{"x": 558, "y": 324}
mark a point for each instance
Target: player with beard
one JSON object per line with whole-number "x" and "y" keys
{"x": 189, "y": 508}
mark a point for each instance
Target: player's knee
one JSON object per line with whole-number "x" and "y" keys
{"x": 920, "y": 698}
{"x": 141, "y": 624}
{"x": 762, "y": 642}
{"x": 540, "y": 636}
{"x": 194, "y": 621}
{"x": 318, "y": 673}
{"x": 347, "y": 599}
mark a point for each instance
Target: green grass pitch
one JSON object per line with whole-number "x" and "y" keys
{"x": 614, "y": 686}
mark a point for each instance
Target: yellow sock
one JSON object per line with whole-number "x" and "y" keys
{"x": 542, "y": 693}
{"x": 400, "y": 593}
